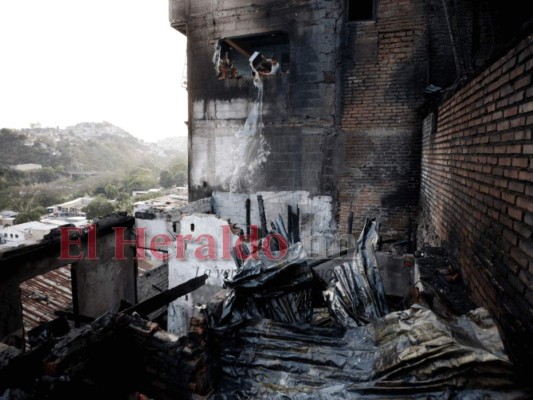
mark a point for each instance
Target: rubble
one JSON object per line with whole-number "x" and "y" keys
{"x": 84, "y": 362}
{"x": 281, "y": 330}
{"x": 411, "y": 354}
{"x": 356, "y": 295}
{"x": 275, "y": 340}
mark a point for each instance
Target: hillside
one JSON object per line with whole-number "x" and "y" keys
{"x": 85, "y": 147}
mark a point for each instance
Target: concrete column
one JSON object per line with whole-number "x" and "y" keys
{"x": 11, "y": 328}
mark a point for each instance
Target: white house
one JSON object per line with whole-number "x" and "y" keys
{"x": 26, "y": 232}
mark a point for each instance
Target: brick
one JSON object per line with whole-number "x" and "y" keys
{"x": 508, "y": 197}
{"x": 515, "y": 213}
{"x": 514, "y": 149}
{"x": 528, "y": 149}
{"x": 510, "y": 112}
{"x": 511, "y": 237}
{"x": 519, "y": 256}
{"x": 525, "y": 176}
{"x": 516, "y": 97}
{"x": 528, "y": 219}
{"x": 525, "y": 108}
{"x": 508, "y": 222}
{"x": 516, "y": 122}
{"x": 524, "y": 81}
{"x": 527, "y": 247}
{"x": 510, "y": 173}
{"x": 508, "y": 136}
{"x": 522, "y": 229}
{"x": 504, "y": 161}
{"x": 525, "y": 203}
{"x": 527, "y": 278}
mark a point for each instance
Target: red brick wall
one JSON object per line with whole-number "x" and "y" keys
{"x": 477, "y": 190}
{"x": 383, "y": 77}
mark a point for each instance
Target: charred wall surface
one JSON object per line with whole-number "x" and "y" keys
{"x": 341, "y": 120}
{"x": 344, "y": 119}
{"x": 297, "y": 108}
{"x": 476, "y": 197}
{"x": 384, "y": 73}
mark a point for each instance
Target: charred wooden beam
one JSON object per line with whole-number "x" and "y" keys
{"x": 350, "y": 223}
{"x": 74, "y": 317}
{"x": 168, "y": 296}
{"x": 289, "y": 224}
{"x": 296, "y": 225}
{"x": 262, "y": 215}
{"x": 237, "y": 47}
{"x": 24, "y": 263}
{"x": 248, "y": 217}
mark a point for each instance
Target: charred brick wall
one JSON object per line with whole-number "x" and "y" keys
{"x": 477, "y": 188}
{"x": 342, "y": 122}
{"x": 383, "y": 77}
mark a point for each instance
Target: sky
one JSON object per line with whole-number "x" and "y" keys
{"x": 68, "y": 61}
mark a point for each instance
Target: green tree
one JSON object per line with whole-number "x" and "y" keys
{"x": 24, "y": 204}
{"x": 166, "y": 179}
{"x": 27, "y": 216}
{"x": 181, "y": 178}
{"x": 24, "y": 217}
{"x": 141, "y": 180}
{"x": 46, "y": 174}
{"x": 124, "y": 205}
{"x": 111, "y": 191}
{"x": 98, "y": 207}
{"x": 47, "y": 198}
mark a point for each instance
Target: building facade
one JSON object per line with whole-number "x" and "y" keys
{"x": 344, "y": 132}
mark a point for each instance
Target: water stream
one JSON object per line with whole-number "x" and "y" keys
{"x": 251, "y": 150}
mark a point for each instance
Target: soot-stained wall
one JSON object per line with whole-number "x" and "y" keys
{"x": 340, "y": 121}
{"x": 344, "y": 118}
{"x": 296, "y": 115}
{"x": 477, "y": 175}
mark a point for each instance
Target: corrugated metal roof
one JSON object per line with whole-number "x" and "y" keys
{"x": 43, "y": 295}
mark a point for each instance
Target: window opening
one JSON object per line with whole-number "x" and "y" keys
{"x": 361, "y": 10}
{"x": 270, "y": 54}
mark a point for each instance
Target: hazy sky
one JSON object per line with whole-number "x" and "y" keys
{"x": 69, "y": 61}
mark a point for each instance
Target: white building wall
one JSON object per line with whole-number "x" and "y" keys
{"x": 191, "y": 266}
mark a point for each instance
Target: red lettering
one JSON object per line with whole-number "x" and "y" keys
{"x": 226, "y": 242}
{"x": 180, "y": 245}
{"x": 121, "y": 242}
{"x": 91, "y": 242}
{"x": 65, "y": 243}
{"x": 253, "y": 239}
{"x": 210, "y": 246}
{"x": 155, "y": 242}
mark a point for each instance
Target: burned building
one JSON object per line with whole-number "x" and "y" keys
{"x": 415, "y": 112}
{"x": 315, "y": 115}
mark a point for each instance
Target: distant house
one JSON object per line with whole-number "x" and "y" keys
{"x": 137, "y": 193}
{"x": 21, "y": 233}
{"x": 71, "y": 208}
{"x": 7, "y": 217}
{"x": 26, "y": 167}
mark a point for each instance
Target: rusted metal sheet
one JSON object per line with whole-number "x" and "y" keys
{"x": 43, "y": 295}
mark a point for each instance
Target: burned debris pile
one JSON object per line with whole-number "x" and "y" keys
{"x": 270, "y": 344}
{"x": 356, "y": 295}
{"x": 113, "y": 357}
{"x": 281, "y": 329}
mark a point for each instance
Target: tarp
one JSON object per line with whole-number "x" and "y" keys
{"x": 268, "y": 348}
{"x": 278, "y": 289}
{"x": 412, "y": 354}
{"x": 356, "y": 294}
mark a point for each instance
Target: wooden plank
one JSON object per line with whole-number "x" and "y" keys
{"x": 168, "y": 296}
